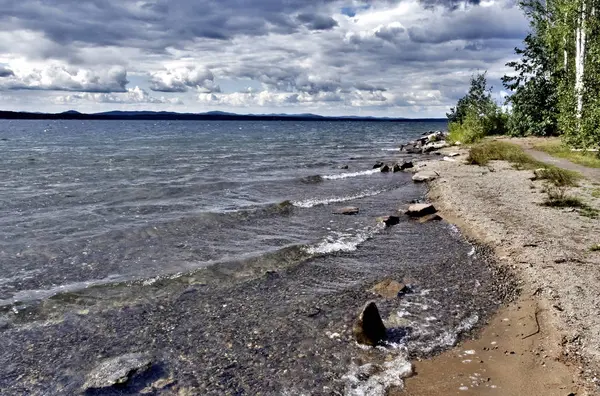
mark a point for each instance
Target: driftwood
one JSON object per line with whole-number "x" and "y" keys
{"x": 537, "y": 323}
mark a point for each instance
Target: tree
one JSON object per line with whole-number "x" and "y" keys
{"x": 534, "y": 99}
{"x": 478, "y": 99}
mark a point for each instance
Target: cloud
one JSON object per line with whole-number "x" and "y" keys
{"x": 317, "y": 21}
{"x": 6, "y": 72}
{"x": 65, "y": 78}
{"x": 132, "y": 96}
{"x": 331, "y": 56}
{"x": 183, "y": 78}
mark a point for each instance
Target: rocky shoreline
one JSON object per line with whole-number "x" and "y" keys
{"x": 549, "y": 250}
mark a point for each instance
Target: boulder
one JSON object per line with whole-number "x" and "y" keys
{"x": 429, "y": 147}
{"x": 344, "y": 167}
{"x": 414, "y": 148}
{"x": 420, "y": 210}
{"x": 396, "y": 168}
{"x": 389, "y": 289}
{"x": 378, "y": 165}
{"x": 369, "y": 328}
{"x": 421, "y": 177}
{"x": 385, "y": 168}
{"x": 349, "y": 210}
{"x": 117, "y": 371}
{"x": 406, "y": 165}
{"x": 389, "y": 220}
{"x": 431, "y": 217}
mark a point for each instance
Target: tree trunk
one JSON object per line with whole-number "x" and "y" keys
{"x": 580, "y": 57}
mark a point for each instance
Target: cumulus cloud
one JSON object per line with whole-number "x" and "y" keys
{"x": 132, "y": 96}
{"x": 6, "y": 72}
{"x": 183, "y": 78}
{"x": 64, "y": 78}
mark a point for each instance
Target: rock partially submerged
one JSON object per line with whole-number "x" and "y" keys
{"x": 420, "y": 210}
{"x": 369, "y": 328}
{"x": 349, "y": 210}
{"x": 389, "y": 220}
{"x": 385, "y": 168}
{"x": 117, "y": 371}
{"x": 431, "y": 141}
{"x": 389, "y": 289}
{"x": 425, "y": 176}
{"x": 378, "y": 165}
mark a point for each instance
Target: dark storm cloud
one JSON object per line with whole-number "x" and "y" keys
{"x": 5, "y": 72}
{"x": 317, "y": 21}
{"x": 156, "y": 25}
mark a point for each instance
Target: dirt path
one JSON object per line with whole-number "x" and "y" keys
{"x": 592, "y": 174}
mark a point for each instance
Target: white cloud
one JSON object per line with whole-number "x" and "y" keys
{"x": 132, "y": 96}
{"x": 182, "y": 78}
{"x": 60, "y": 77}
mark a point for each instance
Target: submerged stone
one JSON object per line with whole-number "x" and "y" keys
{"x": 389, "y": 220}
{"x": 369, "y": 328}
{"x": 117, "y": 371}
{"x": 385, "y": 168}
{"x": 389, "y": 288}
{"x": 349, "y": 210}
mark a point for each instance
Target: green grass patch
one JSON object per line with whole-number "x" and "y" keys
{"x": 596, "y": 193}
{"x": 595, "y": 248}
{"x": 483, "y": 153}
{"x": 555, "y": 148}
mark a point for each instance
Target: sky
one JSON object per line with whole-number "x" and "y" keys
{"x": 392, "y": 58}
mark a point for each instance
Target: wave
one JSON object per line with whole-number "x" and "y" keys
{"x": 309, "y": 203}
{"x": 391, "y": 149}
{"x": 343, "y": 241}
{"x": 351, "y": 174}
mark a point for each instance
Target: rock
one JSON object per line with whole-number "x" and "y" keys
{"x": 448, "y": 159}
{"x": 431, "y": 217}
{"x": 420, "y": 210}
{"x": 369, "y": 328}
{"x": 389, "y": 288}
{"x": 349, "y": 210}
{"x": 421, "y": 177}
{"x": 406, "y": 165}
{"x": 389, "y": 220}
{"x": 344, "y": 167}
{"x": 412, "y": 148}
{"x": 457, "y": 143}
{"x": 396, "y": 168}
{"x": 117, "y": 371}
{"x": 429, "y": 147}
{"x": 385, "y": 168}
{"x": 453, "y": 154}
{"x": 378, "y": 165}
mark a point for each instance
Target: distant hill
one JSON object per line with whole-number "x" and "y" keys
{"x": 213, "y": 115}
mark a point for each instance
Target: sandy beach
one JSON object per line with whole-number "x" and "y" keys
{"x": 546, "y": 342}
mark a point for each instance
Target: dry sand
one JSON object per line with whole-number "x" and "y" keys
{"x": 549, "y": 250}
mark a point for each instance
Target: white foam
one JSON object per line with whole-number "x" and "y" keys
{"x": 351, "y": 174}
{"x": 391, "y": 149}
{"x": 344, "y": 242}
{"x": 373, "y": 380}
{"x": 309, "y": 203}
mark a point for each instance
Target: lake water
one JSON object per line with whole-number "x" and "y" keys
{"x": 103, "y": 224}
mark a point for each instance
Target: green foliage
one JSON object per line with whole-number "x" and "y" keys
{"x": 595, "y": 248}
{"x": 476, "y": 115}
{"x": 483, "y": 153}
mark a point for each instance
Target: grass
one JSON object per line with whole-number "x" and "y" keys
{"x": 596, "y": 193}
{"x": 557, "y": 149}
{"x": 595, "y": 248}
{"x": 483, "y": 153}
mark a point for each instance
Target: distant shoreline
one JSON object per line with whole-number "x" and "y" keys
{"x": 216, "y": 116}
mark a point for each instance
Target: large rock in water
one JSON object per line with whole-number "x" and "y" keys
{"x": 369, "y": 328}
{"x": 349, "y": 210}
{"x": 420, "y": 210}
{"x": 421, "y": 177}
{"x": 385, "y": 168}
{"x": 117, "y": 371}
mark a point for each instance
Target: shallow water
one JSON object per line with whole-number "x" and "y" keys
{"x": 214, "y": 248}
